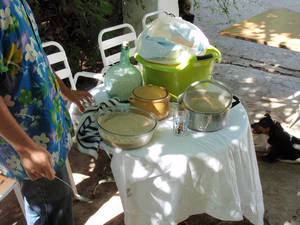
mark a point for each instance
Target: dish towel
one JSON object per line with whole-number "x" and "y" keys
{"x": 87, "y": 135}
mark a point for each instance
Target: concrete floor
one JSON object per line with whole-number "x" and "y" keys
{"x": 267, "y": 79}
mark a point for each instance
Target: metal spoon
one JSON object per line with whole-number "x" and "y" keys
{"x": 77, "y": 196}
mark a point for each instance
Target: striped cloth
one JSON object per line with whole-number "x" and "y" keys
{"x": 87, "y": 135}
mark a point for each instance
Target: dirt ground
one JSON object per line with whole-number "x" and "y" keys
{"x": 11, "y": 214}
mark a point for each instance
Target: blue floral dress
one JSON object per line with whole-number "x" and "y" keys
{"x": 30, "y": 89}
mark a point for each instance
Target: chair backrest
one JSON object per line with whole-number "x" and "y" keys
{"x": 150, "y": 16}
{"x": 59, "y": 57}
{"x": 107, "y": 44}
{"x": 7, "y": 185}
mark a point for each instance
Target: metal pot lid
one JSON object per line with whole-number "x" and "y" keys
{"x": 207, "y": 96}
{"x": 150, "y": 92}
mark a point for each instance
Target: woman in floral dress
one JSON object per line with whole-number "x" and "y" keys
{"x": 35, "y": 126}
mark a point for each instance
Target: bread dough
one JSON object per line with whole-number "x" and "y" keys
{"x": 126, "y": 123}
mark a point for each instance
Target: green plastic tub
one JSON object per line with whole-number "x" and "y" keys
{"x": 176, "y": 78}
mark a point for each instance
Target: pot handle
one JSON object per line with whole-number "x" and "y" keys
{"x": 237, "y": 101}
{"x": 131, "y": 99}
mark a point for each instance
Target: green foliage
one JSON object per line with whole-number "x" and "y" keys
{"x": 76, "y": 24}
{"x": 140, "y": 3}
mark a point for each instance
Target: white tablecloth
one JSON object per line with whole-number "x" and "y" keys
{"x": 172, "y": 178}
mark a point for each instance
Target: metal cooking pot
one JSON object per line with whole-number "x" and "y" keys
{"x": 208, "y": 103}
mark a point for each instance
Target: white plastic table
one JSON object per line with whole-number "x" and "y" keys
{"x": 172, "y": 178}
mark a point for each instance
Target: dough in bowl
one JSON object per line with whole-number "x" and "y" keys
{"x": 126, "y": 123}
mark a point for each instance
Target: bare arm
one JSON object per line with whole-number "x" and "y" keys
{"x": 77, "y": 97}
{"x": 35, "y": 159}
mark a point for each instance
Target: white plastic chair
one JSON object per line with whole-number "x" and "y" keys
{"x": 128, "y": 35}
{"x": 149, "y": 15}
{"x": 60, "y": 57}
{"x": 7, "y": 185}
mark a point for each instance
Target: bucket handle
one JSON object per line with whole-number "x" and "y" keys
{"x": 215, "y": 52}
{"x": 202, "y": 57}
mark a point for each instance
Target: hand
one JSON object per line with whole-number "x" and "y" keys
{"x": 80, "y": 98}
{"x": 37, "y": 162}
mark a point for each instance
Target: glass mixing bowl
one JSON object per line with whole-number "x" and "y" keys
{"x": 126, "y": 127}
